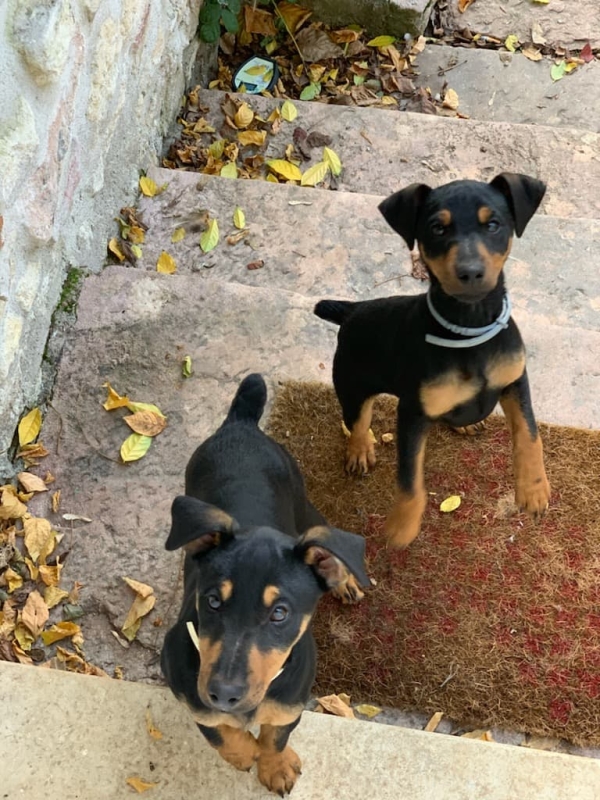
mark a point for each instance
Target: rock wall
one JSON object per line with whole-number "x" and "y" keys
{"x": 88, "y": 89}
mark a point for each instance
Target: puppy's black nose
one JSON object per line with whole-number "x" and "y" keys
{"x": 225, "y": 696}
{"x": 470, "y": 274}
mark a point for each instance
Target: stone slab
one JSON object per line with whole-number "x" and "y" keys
{"x": 490, "y": 85}
{"x": 69, "y": 736}
{"x": 563, "y": 22}
{"x": 383, "y": 150}
{"x": 322, "y": 243}
{"x": 133, "y": 330}
{"x": 394, "y": 17}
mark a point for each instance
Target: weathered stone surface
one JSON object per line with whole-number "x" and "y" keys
{"x": 384, "y": 150}
{"x": 392, "y": 17}
{"x": 43, "y": 32}
{"x": 18, "y": 144}
{"x": 340, "y": 758}
{"x": 490, "y": 87}
{"x": 133, "y": 329}
{"x": 339, "y": 244}
{"x": 562, "y": 22}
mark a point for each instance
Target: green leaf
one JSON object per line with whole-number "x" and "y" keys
{"x": 289, "y": 111}
{"x": 239, "y": 218}
{"x": 210, "y": 32}
{"x": 558, "y": 71}
{"x": 210, "y": 237}
{"x": 359, "y": 80}
{"x": 210, "y": 13}
{"x": 216, "y": 148}
{"x": 229, "y": 170}
{"x": 315, "y": 174}
{"x": 135, "y": 447}
{"x": 331, "y": 157}
{"x": 136, "y": 250}
{"x": 311, "y": 91}
{"x": 229, "y": 21}
{"x": 381, "y": 41}
{"x": 186, "y": 367}
{"x": 234, "y": 6}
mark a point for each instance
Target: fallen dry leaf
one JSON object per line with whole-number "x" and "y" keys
{"x": 56, "y": 501}
{"x": 386, "y": 438}
{"x": 333, "y": 704}
{"x": 13, "y": 579}
{"x": 53, "y": 595}
{"x": 29, "y": 426}
{"x": 450, "y": 503}
{"x": 62, "y": 630}
{"x": 151, "y": 728}
{"x": 166, "y": 264}
{"x": 35, "y": 613}
{"x": 464, "y": 4}
{"x": 434, "y": 721}
{"x": 142, "y": 605}
{"x": 148, "y": 186}
{"x": 316, "y": 45}
{"x": 139, "y": 588}
{"x": 38, "y": 534}
{"x": 367, "y": 710}
{"x": 258, "y": 264}
{"x": 11, "y": 507}
{"x": 148, "y": 423}
{"x": 50, "y": 575}
{"x": 258, "y": 21}
{"x": 284, "y": 168}
{"x": 315, "y": 174}
{"x": 114, "y": 399}
{"x": 451, "y": 99}
{"x": 480, "y": 735}
{"x": 135, "y": 447}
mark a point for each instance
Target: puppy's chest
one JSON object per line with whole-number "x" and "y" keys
{"x": 458, "y": 386}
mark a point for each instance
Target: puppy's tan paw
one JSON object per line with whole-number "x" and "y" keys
{"x": 240, "y": 749}
{"x": 348, "y": 591}
{"x": 279, "y": 771}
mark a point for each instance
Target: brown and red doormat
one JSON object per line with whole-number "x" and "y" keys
{"x": 488, "y": 616}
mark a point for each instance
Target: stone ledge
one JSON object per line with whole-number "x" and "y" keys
{"x": 392, "y": 17}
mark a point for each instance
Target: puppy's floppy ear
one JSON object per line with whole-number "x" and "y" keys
{"x": 401, "y": 210}
{"x": 523, "y": 194}
{"x": 333, "y": 553}
{"x": 198, "y": 526}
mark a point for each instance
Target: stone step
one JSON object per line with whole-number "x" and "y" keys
{"x": 320, "y": 244}
{"x": 133, "y": 329}
{"x": 490, "y": 85}
{"x": 383, "y": 150}
{"x": 70, "y": 736}
{"x": 562, "y": 22}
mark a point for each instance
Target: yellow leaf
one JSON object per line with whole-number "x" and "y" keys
{"x": 451, "y": 99}
{"x": 542, "y": 2}
{"x": 166, "y": 264}
{"x": 511, "y": 42}
{"x": 24, "y": 636}
{"x": 50, "y": 575}
{"x": 35, "y": 614}
{"x": 275, "y": 114}
{"x": 381, "y": 41}
{"x": 11, "y": 507}
{"x": 62, "y": 630}
{"x": 289, "y": 111}
{"x": 148, "y": 187}
{"x": 29, "y": 426}
{"x": 450, "y": 503}
{"x": 210, "y": 237}
{"x": 229, "y": 170}
{"x": 252, "y": 137}
{"x": 53, "y": 595}
{"x": 271, "y": 178}
{"x": 135, "y": 447}
{"x": 139, "y": 785}
{"x": 114, "y": 248}
{"x": 239, "y": 218}
{"x": 133, "y": 407}
{"x": 177, "y": 235}
{"x": 136, "y": 235}
{"x": 13, "y": 579}
{"x": 138, "y": 587}
{"x": 485, "y": 736}
{"x": 38, "y": 534}
{"x": 368, "y": 711}
{"x": 151, "y": 728}
{"x": 186, "y": 366}
{"x": 148, "y": 423}
{"x": 139, "y": 608}
{"x": 31, "y": 483}
{"x": 315, "y": 174}
{"x": 243, "y": 116}
{"x": 216, "y": 148}
{"x": 288, "y": 171}
{"x": 114, "y": 400}
{"x": 388, "y": 100}
{"x": 33, "y": 570}
{"x": 570, "y": 66}
{"x": 434, "y": 721}
{"x": 56, "y": 501}
{"x": 331, "y": 158}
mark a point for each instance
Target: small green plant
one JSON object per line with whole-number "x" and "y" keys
{"x": 215, "y": 13}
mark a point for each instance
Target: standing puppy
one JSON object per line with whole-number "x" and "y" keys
{"x": 450, "y": 354}
{"x": 258, "y": 558}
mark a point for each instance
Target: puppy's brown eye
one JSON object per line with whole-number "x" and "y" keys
{"x": 278, "y": 614}
{"x": 438, "y": 229}
{"x": 214, "y": 602}
{"x": 493, "y": 226}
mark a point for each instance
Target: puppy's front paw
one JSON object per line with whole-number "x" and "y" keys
{"x": 403, "y": 522}
{"x": 360, "y": 453}
{"x": 533, "y": 495}
{"x": 279, "y": 771}
{"x": 348, "y": 591}
{"x": 240, "y": 749}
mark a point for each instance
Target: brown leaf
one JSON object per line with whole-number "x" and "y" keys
{"x": 56, "y": 501}
{"x": 481, "y": 735}
{"x": 237, "y": 237}
{"x": 147, "y": 423}
{"x": 334, "y": 704}
{"x": 51, "y": 575}
{"x": 35, "y": 613}
{"x": 318, "y": 139}
{"x": 29, "y": 451}
{"x": 31, "y": 483}
{"x": 419, "y": 270}
{"x": 294, "y": 15}
{"x": 464, "y": 4}
{"x": 258, "y": 264}
{"x": 151, "y": 728}
{"x": 139, "y": 588}
{"x": 434, "y": 721}
{"x": 344, "y": 36}
{"x": 316, "y": 45}
{"x": 258, "y": 21}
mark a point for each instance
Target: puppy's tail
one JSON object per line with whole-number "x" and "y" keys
{"x": 334, "y": 310}
{"x": 249, "y": 401}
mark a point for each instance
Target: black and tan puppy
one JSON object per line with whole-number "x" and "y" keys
{"x": 258, "y": 558}
{"x": 450, "y": 354}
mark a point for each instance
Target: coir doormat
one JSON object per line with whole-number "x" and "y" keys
{"x": 488, "y": 616}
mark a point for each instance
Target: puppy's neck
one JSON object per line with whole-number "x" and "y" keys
{"x": 469, "y": 315}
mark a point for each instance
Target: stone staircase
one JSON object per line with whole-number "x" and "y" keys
{"x": 135, "y": 326}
